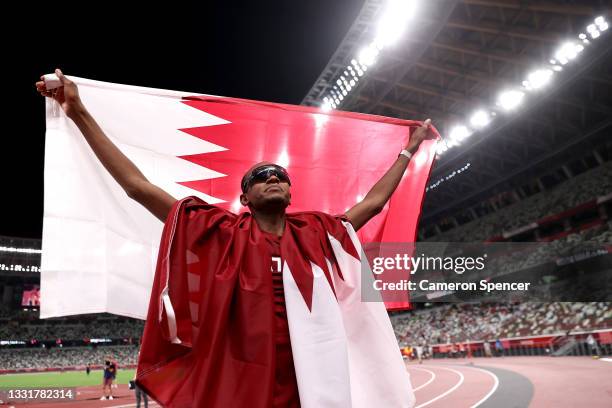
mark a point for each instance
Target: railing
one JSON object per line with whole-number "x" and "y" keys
{"x": 572, "y": 343}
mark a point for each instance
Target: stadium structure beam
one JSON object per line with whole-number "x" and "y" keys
{"x": 489, "y": 54}
{"x": 598, "y": 127}
{"x": 509, "y": 31}
{"x": 546, "y": 7}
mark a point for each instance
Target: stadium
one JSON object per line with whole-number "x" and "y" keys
{"x": 519, "y": 189}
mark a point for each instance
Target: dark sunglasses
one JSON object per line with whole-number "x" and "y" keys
{"x": 262, "y": 173}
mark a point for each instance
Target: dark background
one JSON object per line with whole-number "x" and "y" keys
{"x": 265, "y": 50}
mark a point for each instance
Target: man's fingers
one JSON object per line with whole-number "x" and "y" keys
{"x": 60, "y": 75}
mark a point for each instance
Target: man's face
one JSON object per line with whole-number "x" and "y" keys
{"x": 268, "y": 191}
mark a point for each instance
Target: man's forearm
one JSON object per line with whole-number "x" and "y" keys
{"x": 382, "y": 190}
{"x": 118, "y": 165}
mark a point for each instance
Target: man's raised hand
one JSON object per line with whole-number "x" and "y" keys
{"x": 67, "y": 95}
{"x": 423, "y": 132}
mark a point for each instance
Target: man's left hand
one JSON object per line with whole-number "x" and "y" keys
{"x": 423, "y": 132}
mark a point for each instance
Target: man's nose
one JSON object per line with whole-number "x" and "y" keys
{"x": 272, "y": 179}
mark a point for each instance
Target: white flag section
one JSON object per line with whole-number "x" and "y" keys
{"x": 99, "y": 247}
{"x": 345, "y": 351}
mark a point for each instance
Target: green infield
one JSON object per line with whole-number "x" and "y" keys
{"x": 61, "y": 379}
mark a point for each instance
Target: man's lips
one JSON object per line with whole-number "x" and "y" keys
{"x": 273, "y": 187}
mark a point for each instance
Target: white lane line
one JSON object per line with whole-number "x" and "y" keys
{"x": 608, "y": 360}
{"x": 433, "y": 377}
{"x": 453, "y": 388}
{"x": 491, "y": 391}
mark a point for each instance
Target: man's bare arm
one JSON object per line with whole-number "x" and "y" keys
{"x": 129, "y": 177}
{"x": 378, "y": 196}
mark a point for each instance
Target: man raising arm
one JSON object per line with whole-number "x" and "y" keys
{"x": 129, "y": 177}
{"x": 378, "y": 196}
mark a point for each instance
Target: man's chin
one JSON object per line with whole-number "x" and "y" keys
{"x": 275, "y": 201}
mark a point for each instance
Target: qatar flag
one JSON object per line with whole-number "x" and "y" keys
{"x": 99, "y": 247}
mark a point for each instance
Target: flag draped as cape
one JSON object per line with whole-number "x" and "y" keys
{"x": 209, "y": 335}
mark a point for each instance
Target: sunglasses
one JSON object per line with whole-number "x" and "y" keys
{"x": 263, "y": 173}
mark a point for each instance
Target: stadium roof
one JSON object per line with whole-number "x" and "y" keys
{"x": 455, "y": 57}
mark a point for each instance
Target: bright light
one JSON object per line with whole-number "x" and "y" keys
{"x": 509, "y": 100}
{"x": 359, "y": 72}
{"x": 283, "y": 159}
{"x": 568, "y": 52}
{"x": 538, "y": 79}
{"x": 441, "y": 148}
{"x": 603, "y": 27}
{"x": 326, "y": 106}
{"x": 582, "y": 36}
{"x": 595, "y": 34}
{"x": 367, "y": 56}
{"x": 359, "y": 198}
{"x": 393, "y": 22}
{"x": 557, "y": 68}
{"x": 236, "y": 205}
{"x": 459, "y": 133}
{"x": 480, "y": 119}
{"x": 591, "y": 28}
{"x": 600, "y": 20}
{"x": 352, "y": 82}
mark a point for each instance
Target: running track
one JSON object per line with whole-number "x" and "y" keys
{"x": 515, "y": 382}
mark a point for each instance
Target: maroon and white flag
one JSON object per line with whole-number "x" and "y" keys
{"x": 100, "y": 247}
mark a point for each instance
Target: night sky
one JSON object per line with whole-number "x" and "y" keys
{"x": 265, "y": 50}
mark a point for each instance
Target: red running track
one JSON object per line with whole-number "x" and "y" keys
{"x": 543, "y": 382}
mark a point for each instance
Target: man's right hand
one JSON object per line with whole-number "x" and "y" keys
{"x": 66, "y": 95}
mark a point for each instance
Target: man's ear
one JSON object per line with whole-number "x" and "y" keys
{"x": 243, "y": 199}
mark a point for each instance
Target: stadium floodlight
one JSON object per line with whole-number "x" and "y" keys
{"x": 557, "y": 68}
{"x": 593, "y": 31}
{"x": 349, "y": 87}
{"x": 599, "y": 20}
{"x": 538, "y": 79}
{"x": 359, "y": 72}
{"x": 368, "y": 55}
{"x": 510, "y": 99}
{"x": 567, "y": 52}
{"x": 352, "y": 82}
{"x": 480, "y": 119}
{"x": 582, "y": 36}
{"x": 338, "y": 81}
{"x": 441, "y": 148}
{"x": 459, "y": 133}
{"x": 393, "y": 21}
